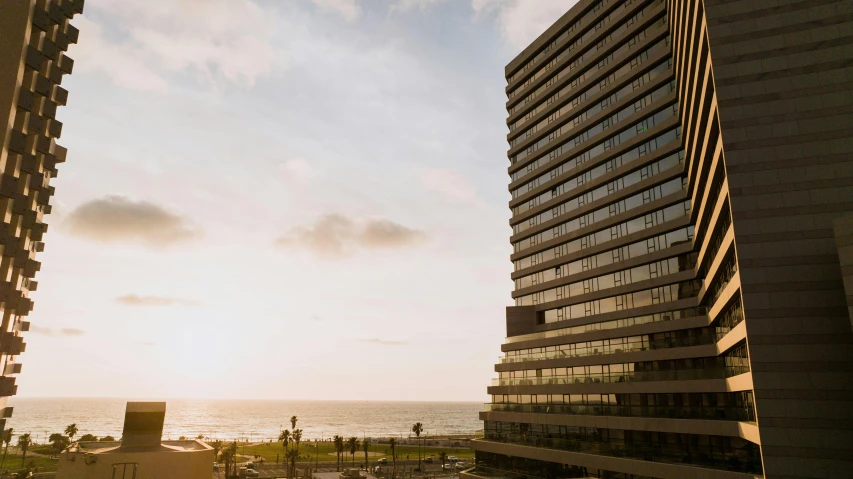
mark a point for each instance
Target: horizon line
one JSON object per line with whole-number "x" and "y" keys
{"x": 153, "y": 398}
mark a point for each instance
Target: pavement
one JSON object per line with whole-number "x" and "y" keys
{"x": 275, "y": 471}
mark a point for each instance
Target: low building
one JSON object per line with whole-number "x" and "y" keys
{"x": 141, "y": 454}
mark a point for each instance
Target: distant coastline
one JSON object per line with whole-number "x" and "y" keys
{"x": 254, "y": 420}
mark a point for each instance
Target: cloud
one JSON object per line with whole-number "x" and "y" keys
{"x": 406, "y": 5}
{"x": 449, "y": 184}
{"x": 348, "y": 9}
{"x": 522, "y": 21}
{"x": 135, "y": 300}
{"x": 56, "y": 333}
{"x": 147, "y": 343}
{"x": 382, "y": 342}
{"x": 334, "y": 236}
{"x": 316, "y": 318}
{"x": 116, "y": 219}
{"x": 298, "y": 170}
{"x": 138, "y": 42}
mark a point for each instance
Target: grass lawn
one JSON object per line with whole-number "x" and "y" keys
{"x": 308, "y": 452}
{"x": 13, "y": 463}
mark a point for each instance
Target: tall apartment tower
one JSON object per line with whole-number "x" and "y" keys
{"x": 680, "y": 173}
{"x": 34, "y": 34}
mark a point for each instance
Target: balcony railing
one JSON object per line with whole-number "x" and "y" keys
{"x": 613, "y": 324}
{"x": 745, "y": 459}
{"x": 634, "y": 376}
{"x": 673, "y": 412}
{"x": 611, "y": 349}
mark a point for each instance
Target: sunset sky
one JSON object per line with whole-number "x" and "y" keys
{"x": 298, "y": 199}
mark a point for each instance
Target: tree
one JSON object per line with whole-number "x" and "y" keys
{"x": 293, "y": 421}
{"x": 7, "y": 438}
{"x": 393, "y": 443}
{"x": 297, "y": 438}
{"x": 200, "y": 437}
{"x": 87, "y": 438}
{"x": 24, "y": 442}
{"x": 284, "y": 438}
{"x": 339, "y": 449}
{"x": 229, "y": 454}
{"x": 71, "y": 431}
{"x": 59, "y": 442}
{"x": 107, "y": 439}
{"x": 352, "y": 444}
{"x": 294, "y": 456}
{"x": 442, "y": 456}
{"x": 365, "y": 444}
{"x": 217, "y": 446}
{"x": 418, "y": 428}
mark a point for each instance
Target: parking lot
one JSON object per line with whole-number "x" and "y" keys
{"x": 279, "y": 471}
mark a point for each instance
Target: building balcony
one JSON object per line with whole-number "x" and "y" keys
{"x": 670, "y": 412}
{"x": 8, "y": 386}
{"x": 632, "y": 376}
{"x": 11, "y": 344}
{"x": 611, "y": 349}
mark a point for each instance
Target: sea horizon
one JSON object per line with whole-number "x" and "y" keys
{"x": 254, "y": 420}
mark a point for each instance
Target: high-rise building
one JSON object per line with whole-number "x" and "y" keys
{"x": 34, "y": 34}
{"x": 676, "y": 168}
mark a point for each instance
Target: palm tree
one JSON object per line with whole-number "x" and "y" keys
{"x": 352, "y": 444}
{"x": 24, "y": 442}
{"x": 418, "y": 428}
{"x": 297, "y": 437}
{"x": 365, "y": 444}
{"x": 284, "y": 438}
{"x": 293, "y": 421}
{"x": 7, "y": 438}
{"x": 229, "y": 455}
{"x": 217, "y": 446}
{"x": 71, "y": 431}
{"x": 339, "y": 449}
{"x": 442, "y": 456}
{"x": 293, "y": 457}
{"x": 393, "y": 443}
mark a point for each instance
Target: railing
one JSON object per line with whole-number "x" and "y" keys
{"x": 672, "y": 412}
{"x": 745, "y": 459}
{"x": 728, "y": 320}
{"x": 612, "y": 349}
{"x": 492, "y": 473}
{"x": 613, "y": 324}
{"x": 634, "y": 376}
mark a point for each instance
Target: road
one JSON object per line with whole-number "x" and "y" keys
{"x": 271, "y": 471}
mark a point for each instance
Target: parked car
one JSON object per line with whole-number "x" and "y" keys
{"x": 252, "y": 473}
{"x": 461, "y": 465}
{"x": 452, "y": 458}
{"x": 215, "y": 467}
{"x": 383, "y": 461}
{"x": 428, "y": 460}
{"x": 250, "y": 465}
{"x": 447, "y": 467}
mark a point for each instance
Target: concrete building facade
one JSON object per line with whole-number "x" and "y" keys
{"x": 34, "y": 36}
{"x": 680, "y": 173}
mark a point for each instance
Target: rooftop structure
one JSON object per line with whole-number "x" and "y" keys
{"x": 141, "y": 454}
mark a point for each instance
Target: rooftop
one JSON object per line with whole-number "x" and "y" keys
{"x": 106, "y": 447}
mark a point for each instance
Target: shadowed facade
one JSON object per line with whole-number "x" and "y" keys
{"x": 34, "y": 35}
{"x": 676, "y": 168}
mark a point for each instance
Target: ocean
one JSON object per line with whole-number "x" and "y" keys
{"x": 253, "y": 420}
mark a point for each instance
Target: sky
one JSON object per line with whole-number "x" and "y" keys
{"x": 293, "y": 199}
